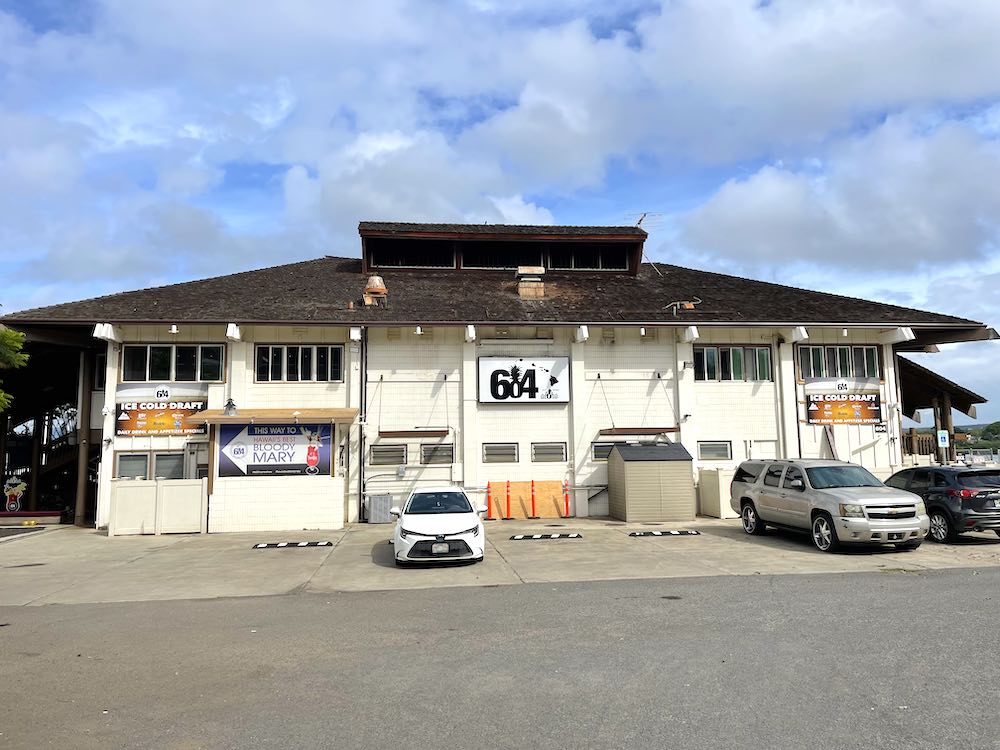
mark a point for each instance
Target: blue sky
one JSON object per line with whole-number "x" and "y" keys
{"x": 840, "y": 145}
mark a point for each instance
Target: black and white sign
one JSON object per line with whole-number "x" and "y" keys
{"x": 518, "y": 380}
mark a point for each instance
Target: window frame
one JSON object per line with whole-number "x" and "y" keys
{"x": 283, "y": 359}
{"x": 517, "y": 453}
{"x": 727, "y": 443}
{"x": 833, "y": 354}
{"x": 749, "y": 358}
{"x": 374, "y": 447}
{"x": 173, "y": 362}
{"x": 563, "y": 446}
{"x": 121, "y": 454}
{"x": 433, "y": 447}
{"x": 150, "y": 457}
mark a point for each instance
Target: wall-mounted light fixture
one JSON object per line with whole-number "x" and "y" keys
{"x": 229, "y": 409}
{"x": 233, "y": 332}
{"x": 470, "y": 334}
{"x": 687, "y": 364}
{"x": 173, "y": 330}
{"x": 419, "y": 331}
{"x": 355, "y": 334}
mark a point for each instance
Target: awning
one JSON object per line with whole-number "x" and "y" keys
{"x": 919, "y": 388}
{"x": 276, "y": 416}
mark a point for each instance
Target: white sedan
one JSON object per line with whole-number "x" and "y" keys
{"x": 438, "y": 524}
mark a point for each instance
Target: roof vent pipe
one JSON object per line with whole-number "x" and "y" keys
{"x": 375, "y": 292}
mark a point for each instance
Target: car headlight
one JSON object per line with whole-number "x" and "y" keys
{"x": 852, "y": 510}
{"x": 921, "y": 508}
{"x": 474, "y": 531}
{"x": 403, "y": 533}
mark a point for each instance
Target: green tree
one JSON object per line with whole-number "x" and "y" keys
{"x": 11, "y": 356}
{"x": 991, "y": 432}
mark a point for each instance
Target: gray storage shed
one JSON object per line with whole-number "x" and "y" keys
{"x": 651, "y": 483}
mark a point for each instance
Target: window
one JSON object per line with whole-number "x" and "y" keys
{"x": 388, "y": 455}
{"x": 899, "y": 480}
{"x": 499, "y": 453}
{"x": 920, "y": 481}
{"x": 299, "y": 363}
{"x": 793, "y": 474}
{"x": 741, "y": 363}
{"x": 165, "y": 363}
{"x": 601, "y": 451}
{"x": 748, "y": 472}
{"x": 548, "y": 452}
{"x": 940, "y": 480}
{"x": 838, "y": 362}
{"x": 773, "y": 476}
{"x": 715, "y": 450}
{"x": 168, "y": 465}
{"x": 100, "y": 371}
{"x": 437, "y": 454}
{"x": 133, "y": 466}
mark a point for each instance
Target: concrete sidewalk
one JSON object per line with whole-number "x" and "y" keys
{"x": 71, "y": 565}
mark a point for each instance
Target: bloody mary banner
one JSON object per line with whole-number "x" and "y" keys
{"x": 270, "y": 450}
{"x": 149, "y": 410}
{"x": 864, "y": 407}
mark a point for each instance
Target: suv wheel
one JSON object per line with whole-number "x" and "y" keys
{"x": 751, "y": 521}
{"x": 941, "y": 530}
{"x": 824, "y": 534}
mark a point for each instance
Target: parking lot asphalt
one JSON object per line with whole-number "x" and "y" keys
{"x": 69, "y": 565}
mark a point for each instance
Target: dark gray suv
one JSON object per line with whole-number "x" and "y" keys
{"x": 958, "y": 498}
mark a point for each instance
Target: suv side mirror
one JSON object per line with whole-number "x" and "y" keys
{"x": 482, "y": 509}
{"x": 797, "y": 484}
{"x": 394, "y": 511}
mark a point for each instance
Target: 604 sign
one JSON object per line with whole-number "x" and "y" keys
{"x": 504, "y": 380}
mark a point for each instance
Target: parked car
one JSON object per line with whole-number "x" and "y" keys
{"x": 837, "y": 502}
{"x": 436, "y": 525}
{"x": 958, "y": 499}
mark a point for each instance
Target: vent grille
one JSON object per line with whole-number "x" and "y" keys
{"x": 543, "y": 452}
{"x": 388, "y": 455}
{"x": 437, "y": 454}
{"x": 499, "y": 453}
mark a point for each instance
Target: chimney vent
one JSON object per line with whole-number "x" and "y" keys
{"x": 529, "y": 282}
{"x": 375, "y": 292}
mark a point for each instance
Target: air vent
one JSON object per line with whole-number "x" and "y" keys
{"x": 499, "y": 453}
{"x": 388, "y": 455}
{"x": 437, "y": 454}
{"x": 548, "y": 452}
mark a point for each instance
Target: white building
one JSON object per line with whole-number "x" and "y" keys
{"x": 479, "y": 354}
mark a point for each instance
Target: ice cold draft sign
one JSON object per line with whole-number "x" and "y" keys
{"x": 517, "y": 380}
{"x": 274, "y": 450}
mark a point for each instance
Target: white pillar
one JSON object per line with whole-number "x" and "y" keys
{"x": 352, "y": 484}
{"x": 107, "y": 467}
{"x": 788, "y": 408}
{"x": 468, "y": 423}
{"x": 580, "y": 444}
{"x": 685, "y": 390}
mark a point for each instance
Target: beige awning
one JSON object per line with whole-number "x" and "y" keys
{"x": 276, "y": 416}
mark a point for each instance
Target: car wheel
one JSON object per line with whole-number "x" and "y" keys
{"x": 751, "y": 521}
{"x": 941, "y": 530}
{"x": 908, "y": 546}
{"x": 824, "y": 534}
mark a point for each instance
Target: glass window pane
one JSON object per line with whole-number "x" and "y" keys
{"x": 738, "y": 373}
{"x": 168, "y": 465}
{"x": 306, "y": 363}
{"x": 725, "y": 363}
{"x": 699, "y": 363}
{"x": 831, "y": 362}
{"x": 159, "y": 362}
{"x": 291, "y": 363}
{"x": 134, "y": 363}
{"x": 818, "y": 370}
{"x": 185, "y": 363}
{"x": 844, "y": 358}
{"x": 132, "y": 465}
{"x": 277, "y": 363}
{"x": 711, "y": 363}
{"x": 263, "y": 363}
{"x": 763, "y": 363}
{"x": 805, "y": 364}
{"x": 336, "y": 363}
{"x": 322, "y": 363}
{"x": 871, "y": 361}
{"x": 211, "y": 363}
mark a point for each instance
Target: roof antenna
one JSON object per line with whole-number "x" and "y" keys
{"x": 654, "y": 216}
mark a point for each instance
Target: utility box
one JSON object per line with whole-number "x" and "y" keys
{"x": 651, "y": 483}
{"x": 377, "y": 508}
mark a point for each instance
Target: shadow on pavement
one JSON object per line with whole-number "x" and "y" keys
{"x": 382, "y": 555}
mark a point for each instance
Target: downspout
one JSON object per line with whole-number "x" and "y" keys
{"x": 363, "y": 423}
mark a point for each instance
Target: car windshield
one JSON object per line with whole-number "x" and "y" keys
{"x": 427, "y": 503}
{"x": 825, "y": 477}
{"x": 980, "y": 479}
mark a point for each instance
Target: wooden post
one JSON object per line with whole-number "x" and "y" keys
{"x": 83, "y": 437}
{"x": 936, "y": 405}
{"x": 37, "y": 430}
{"x": 949, "y": 425}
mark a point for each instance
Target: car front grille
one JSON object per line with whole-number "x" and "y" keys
{"x": 892, "y": 512}
{"x": 456, "y": 548}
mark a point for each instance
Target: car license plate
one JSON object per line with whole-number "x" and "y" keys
{"x": 440, "y": 548}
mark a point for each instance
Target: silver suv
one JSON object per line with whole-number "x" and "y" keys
{"x": 838, "y": 502}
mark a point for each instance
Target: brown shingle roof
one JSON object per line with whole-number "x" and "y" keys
{"x": 318, "y": 291}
